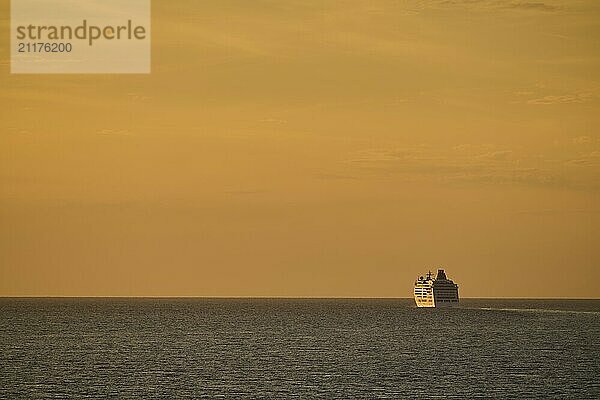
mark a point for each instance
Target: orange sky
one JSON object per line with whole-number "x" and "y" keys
{"x": 313, "y": 148}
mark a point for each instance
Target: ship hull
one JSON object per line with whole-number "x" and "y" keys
{"x": 423, "y": 303}
{"x": 447, "y": 304}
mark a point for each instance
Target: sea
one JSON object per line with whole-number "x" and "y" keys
{"x": 199, "y": 348}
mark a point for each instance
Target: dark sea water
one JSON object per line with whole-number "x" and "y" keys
{"x": 285, "y": 348}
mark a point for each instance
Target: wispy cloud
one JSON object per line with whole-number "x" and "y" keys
{"x": 495, "y": 4}
{"x": 555, "y": 211}
{"x": 480, "y": 163}
{"x": 563, "y": 99}
{"x": 114, "y": 132}
{"x": 591, "y": 159}
{"x": 525, "y": 5}
{"x": 583, "y": 140}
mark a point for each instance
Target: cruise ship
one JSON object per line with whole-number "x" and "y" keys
{"x": 438, "y": 292}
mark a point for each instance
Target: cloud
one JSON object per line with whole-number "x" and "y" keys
{"x": 499, "y": 4}
{"x": 115, "y": 132}
{"x": 591, "y": 159}
{"x": 138, "y": 97}
{"x": 523, "y": 93}
{"x": 496, "y": 155}
{"x": 582, "y": 140}
{"x": 551, "y": 211}
{"x": 273, "y": 121}
{"x": 19, "y": 131}
{"x": 530, "y": 6}
{"x": 479, "y": 163}
{"x": 562, "y": 99}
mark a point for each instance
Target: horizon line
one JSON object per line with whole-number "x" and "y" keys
{"x": 275, "y": 297}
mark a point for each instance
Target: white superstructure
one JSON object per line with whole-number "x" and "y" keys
{"x": 438, "y": 292}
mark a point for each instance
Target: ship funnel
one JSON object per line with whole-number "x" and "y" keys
{"x": 441, "y": 274}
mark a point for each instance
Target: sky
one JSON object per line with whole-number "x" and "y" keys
{"x": 313, "y": 148}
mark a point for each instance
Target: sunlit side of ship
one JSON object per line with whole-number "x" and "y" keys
{"x": 438, "y": 292}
